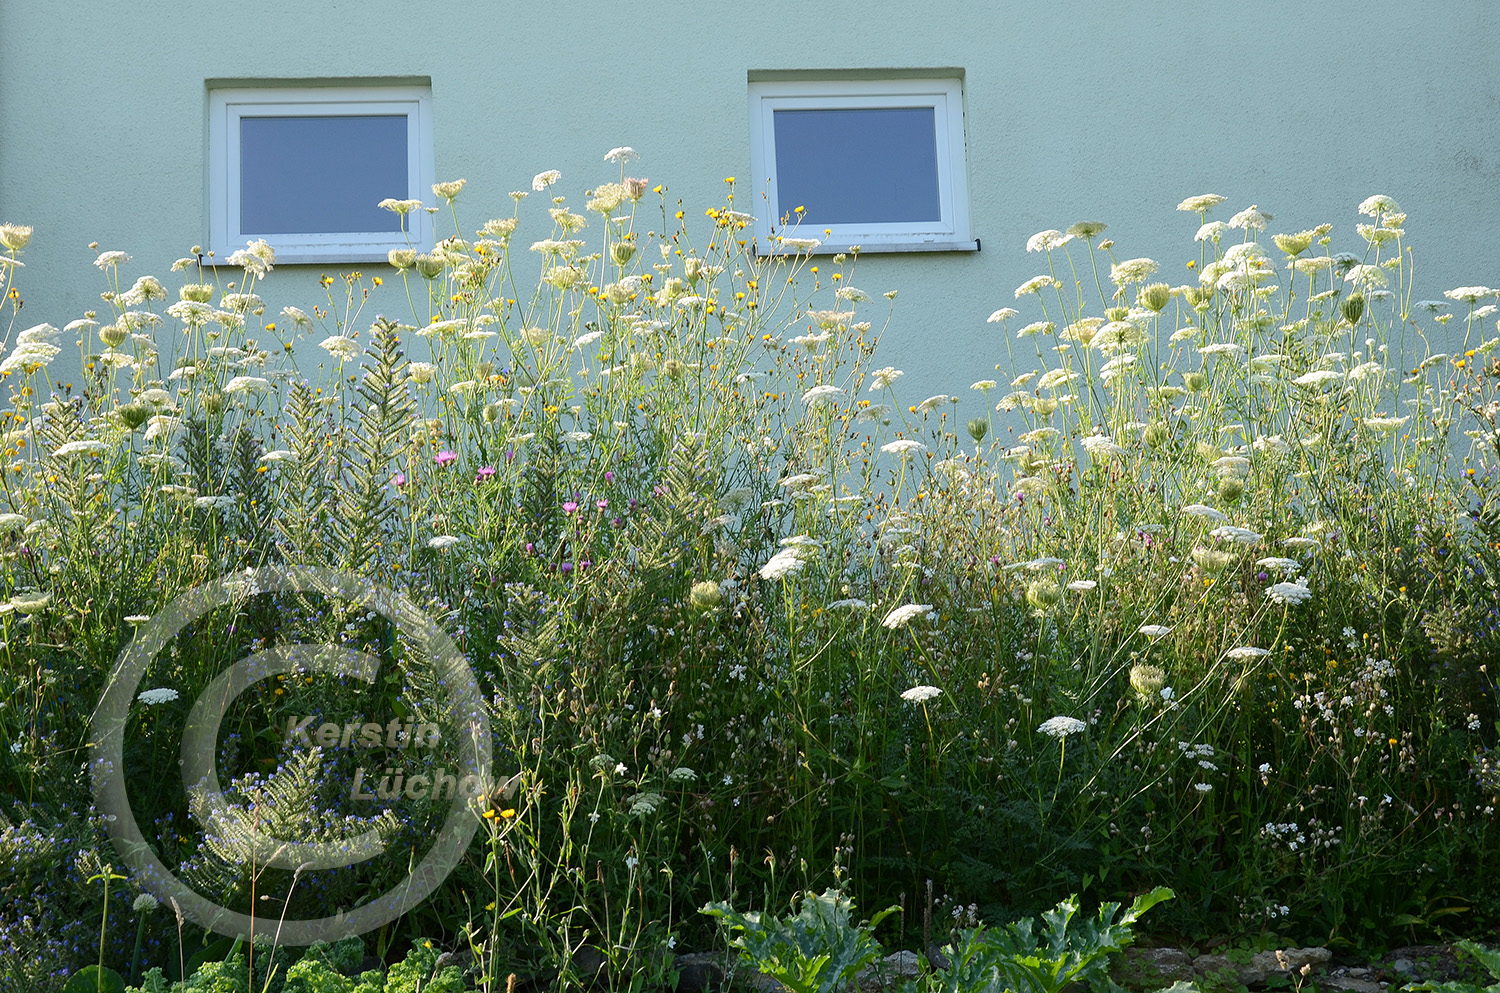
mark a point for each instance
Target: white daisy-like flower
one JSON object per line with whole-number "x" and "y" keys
{"x": 1378, "y": 204}
{"x": 1202, "y": 202}
{"x": 1469, "y": 294}
{"x": 1204, "y": 511}
{"x": 1154, "y": 631}
{"x": 1212, "y": 231}
{"x": 902, "y": 446}
{"x": 1247, "y": 652}
{"x": 542, "y": 180}
{"x": 881, "y": 379}
{"x": 803, "y": 245}
{"x": 1318, "y": 377}
{"x": 1061, "y": 727}
{"x": 1003, "y": 314}
{"x": 160, "y": 695}
{"x": 820, "y": 395}
{"x": 984, "y": 385}
{"x": 341, "y": 347}
{"x": 443, "y": 541}
{"x": 784, "y": 563}
{"x": 1203, "y": 787}
{"x": 1302, "y": 544}
{"x": 621, "y": 155}
{"x": 85, "y": 447}
{"x": 921, "y": 694}
{"x": 1132, "y": 271}
{"x": 933, "y": 403}
{"x": 1036, "y": 284}
{"x": 1252, "y": 218}
{"x": 1289, "y": 594}
{"x": 247, "y": 384}
{"x": 108, "y": 260}
{"x": 1385, "y": 425}
{"x": 1279, "y": 564}
{"x": 1100, "y": 445}
{"x": 903, "y": 615}
{"x": 1239, "y": 535}
{"x": 1046, "y": 241}
{"x": 1082, "y": 585}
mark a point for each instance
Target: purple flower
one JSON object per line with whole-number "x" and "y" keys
{"x": 603, "y": 504}
{"x": 484, "y": 473}
{"x": 569, "y": 507}
{"x": 399, "y": 479}
{"x": 530, "y": 548}
{"x": 609, "y": 476}
{"x": 584, "y": 564}
{"x": 510, "y": 455}
{"x": 444, "y": 457}
{"x": 567, "y": 567}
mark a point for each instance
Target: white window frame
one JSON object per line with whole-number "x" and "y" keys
{"x": 227, "y": 106}
{"x": 944, "y": 95}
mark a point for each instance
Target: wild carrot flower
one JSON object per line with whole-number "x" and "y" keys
{"x": 1061, "y": 727}
{"x": 903, "y": 615}
{"x": 153, "y": 697}
{"x": 921, "y": 694}
{"x": 1202, "y": 202}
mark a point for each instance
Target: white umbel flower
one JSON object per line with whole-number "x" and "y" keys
{"x": 1061, "y": 727}
{"x": 903, "y": 615}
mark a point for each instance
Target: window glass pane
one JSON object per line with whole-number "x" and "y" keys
{"x": 858, "y": 165}
{"x": 320, "y": 175}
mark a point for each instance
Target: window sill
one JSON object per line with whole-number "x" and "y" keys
{"x": 292, "y": 256}
{"x": 832, "y": 247}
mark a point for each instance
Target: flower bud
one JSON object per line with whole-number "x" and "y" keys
{"x": 1156, "y": 296}
{"x": 622, "y": 252}
{"x": 978, "y": 428}
{"x": 636, "y": 188}
{"x": 1156, "y": 434}
{"x": 491, "y": 413}
{"x": 14, "y": 236}
{"x": 1043, "y": 594}
{"x": 1199, "y": 296}
{"x": 402, "y": 258}
{"x": 1211, "y": 560}
{"x": 133, "y": 415}
{"x": 673, "y": 368}
{"x": 1146, "y": 679}
{"x": 1116, "y": 313}
{"x": 113, "y": 336}
{"x": 1194, "y": 381}
{"x": 428, "y": 266}
{"x": 706, "y": 595}
{"x": 1293, "y": 244}
{"x": 1231, "y": 489}
{"x": 196, "y": 292}
{"x": 1353, "y": 308}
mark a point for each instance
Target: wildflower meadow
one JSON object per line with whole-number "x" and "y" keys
{"x": 1199, "y": 593}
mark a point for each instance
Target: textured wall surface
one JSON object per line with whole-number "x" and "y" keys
{"x": 1075, "y": 110}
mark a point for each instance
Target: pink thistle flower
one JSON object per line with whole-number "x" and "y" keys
{"x": 569, "y": 507}
{"x": 444, "y": 457}
{"x": 484, "y": 473}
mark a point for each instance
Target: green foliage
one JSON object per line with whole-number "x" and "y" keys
{"x": 1068, "y": 950}
{"x": 817, "y": 950}
{"x": 1487, "y": 957}
{"x": 92, "y": 979}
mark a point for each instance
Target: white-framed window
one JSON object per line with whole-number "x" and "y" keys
{"x": 878, "y": 163}
{"x": 306, "y": 167}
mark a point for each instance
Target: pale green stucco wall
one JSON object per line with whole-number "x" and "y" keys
{"x": 1075, "y": 110}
